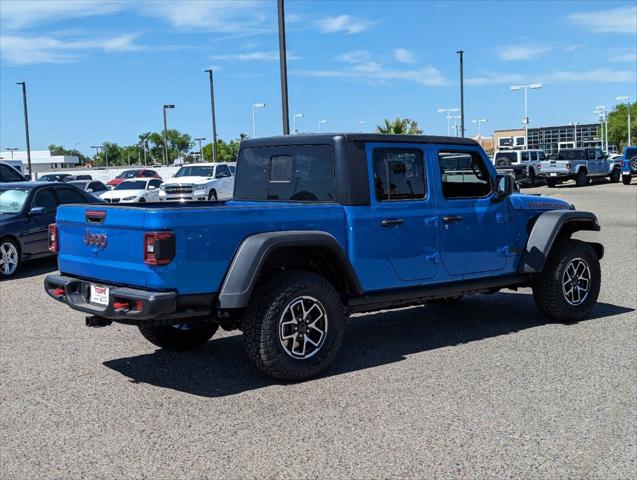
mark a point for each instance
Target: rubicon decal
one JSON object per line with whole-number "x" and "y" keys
{"x": 99, "y": 240}
{"x": 549, "y": 205}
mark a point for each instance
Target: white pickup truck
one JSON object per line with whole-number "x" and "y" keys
{"x": 579, "y": 164}
{"x": 199, "y": 181}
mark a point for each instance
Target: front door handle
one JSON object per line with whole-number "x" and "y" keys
{"x": 392, "y": 222}
{"x": 452, "y": 219}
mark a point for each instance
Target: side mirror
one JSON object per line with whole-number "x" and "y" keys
{"x": 37, "y": 211}
{"x": 27, "y": 178}
{"x": 505, "y": 185}
{"x": 152, "y": 187}
{"x": 89, "y": 190}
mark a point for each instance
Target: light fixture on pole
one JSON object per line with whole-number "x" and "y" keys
{"x": 574, "y": 124}
{"x": 479, "y": 122}
{"x": 448, "y": 111}
{"x": 212, "y": 111}
{"x": 12, "y": 149}
{"x": 166, "y": 135}
{"x": 254, "y": 120}
{"x": 294, "y": 117}
{"x": 26, "y": 122}
{"x": 321, "y": 122}
{"x": 625, "y": 98}
{"x": 199, "y": 139}
{"x": 525, "y": 120}
{"x": 360, "y": 125}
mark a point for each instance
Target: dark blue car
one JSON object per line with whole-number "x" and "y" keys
{"x": 26, "y": 210}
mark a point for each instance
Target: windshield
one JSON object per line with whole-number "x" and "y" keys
{"x": 51, "y": 178}
{"x": 132, "y": 185}
{"x": 128, "y": 174}
{"x": 12, "y": 199}
{"x": 81, "y": 185}
{"x": 194, "y": 171}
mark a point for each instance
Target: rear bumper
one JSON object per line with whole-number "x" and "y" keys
{"x": 125, "y": 305}
{"x": 560, "y": 174}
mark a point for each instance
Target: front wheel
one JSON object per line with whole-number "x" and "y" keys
{"x": 9, "y": 257}
{"x": 567, "y": 288}
{"x": 626, "y": 179}
{"x": 212, "y": 196}
{"x": 581, "y": 179}
{"x": 179, "y": 337}
{"x": 293, "y": 326}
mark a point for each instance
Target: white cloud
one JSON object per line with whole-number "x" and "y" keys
{"x": 355, "y": 56}
{"x": 522, "y": 51}
{"x": 493, "y": 78}
{"x": 24, "y": 50}
{"x": 615, "y": 20}
{"x": 258, "y": 56}
{"x": 600, "y": 75}
{"x": 404, "y": 56}
{"x": 624, "y": 57}
{"x": 214, "y": 16}
{"x": 343, "y": 23}
{"x": 25, "y": 13}
{"x": 375, "y": 73}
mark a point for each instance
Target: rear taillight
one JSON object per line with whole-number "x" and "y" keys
{"x": 159, "y": 248}
{"x": 53, "y": 238}
{"x": 539, "y": 166}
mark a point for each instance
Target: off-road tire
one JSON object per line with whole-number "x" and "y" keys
{"x": 178, "y": 338}
{"x": 581, "y": 179}
{"x": 264, "y": 312}
{"x": 614, "y": 176}
{"x": 547, "y": 286}
{"x": 212, "y": 196}
{"x": 550, "y": 182}
{"x": 626, "y": 179}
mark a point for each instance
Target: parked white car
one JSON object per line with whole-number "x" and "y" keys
{"x": 530, "y": 158}
{"x": 199, "y": 181}
{"x": 134, "y": 190}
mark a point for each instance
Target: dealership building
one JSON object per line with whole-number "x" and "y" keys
{"x": 41, "y": 160}
{"x": 552, "y": 139}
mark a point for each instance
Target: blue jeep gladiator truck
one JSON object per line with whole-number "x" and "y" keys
{"x": 319, "y": 227}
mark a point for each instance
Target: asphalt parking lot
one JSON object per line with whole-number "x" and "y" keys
{"x": 482, "y": 389}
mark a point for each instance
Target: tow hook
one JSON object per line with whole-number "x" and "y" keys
{"x": 97, "y": 322}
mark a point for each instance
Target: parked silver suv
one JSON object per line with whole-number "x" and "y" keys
{"x": 530, "y": 158}
{"x": 581, "y": 165}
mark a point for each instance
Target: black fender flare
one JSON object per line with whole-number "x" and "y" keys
{"x": 253, "y": 252}
{"x": 547, "y": 229}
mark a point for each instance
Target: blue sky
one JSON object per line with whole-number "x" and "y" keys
{"x": 101, "y": 70}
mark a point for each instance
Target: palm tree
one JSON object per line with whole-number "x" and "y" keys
{"x": 400, "y": 126}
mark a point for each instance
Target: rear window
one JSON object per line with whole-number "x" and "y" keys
{"x": 303, "y": 173}
{"x": 506, "y": 158}
{"x": 571, "y": 155}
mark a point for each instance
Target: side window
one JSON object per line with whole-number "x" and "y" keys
{"x": 66, "y": 195}
{"x": 525, "y": 156}
{"x": 98, "y": 187}
{"x": 463, "y": 175}
{"x": 541, "y": 156}
{"x": 8, "y": 174}
{"x": 46, "y": 199}
{"x": 222, "y": 171}
{"x": 148, "y": 174}
{"x": 155, "y": 183}
{"x": 399, "y": 174}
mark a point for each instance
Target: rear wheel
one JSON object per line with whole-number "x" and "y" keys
{"x": 581, "y": 179}
{"x": 626, "y": 179}
{"x": 179, "y": 337}
{"x": 531, "y": 177}
{"x": 9, "y": 257}
{"x": 551, "y": 182}
{"x": 568, "y": 287}
{"x": 293, "y": 326}
{"x": 614, "y": 175}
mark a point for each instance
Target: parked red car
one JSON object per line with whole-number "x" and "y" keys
{"x": 136, "y": 173}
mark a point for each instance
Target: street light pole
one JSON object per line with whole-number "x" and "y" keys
{"x": 602, "y": 112}
{"x": 320, "y": 123}
{"x": 12, "y": 150}
{"x": 254, "y": 120}
{"x": 461, "y": 53}
{"x": 97, "y": 149}
{"x": 294, "y": 117}
{"x": 166, "y": 134}
{"x": 448, "y": 111}
{"x": 574, "y": 124}
{"x": 627, "y": 99}
{"x": 199, "y": 139}
{"x": 214, "y": 121}
{"x": 284, "y": 69}
{"x": 531, "y": 86}
{"x": 26, "y": 123}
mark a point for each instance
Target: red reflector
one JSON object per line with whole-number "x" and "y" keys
{"x": 53, "y": 238}
{"x": 58, "y": 292}
{"x": 139, "y": 305}
{"x": 118, "y": 305}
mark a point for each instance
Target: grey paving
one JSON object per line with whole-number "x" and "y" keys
{"x": 483, "y": 389}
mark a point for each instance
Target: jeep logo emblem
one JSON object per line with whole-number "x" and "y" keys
{"x": 97, "y": 240}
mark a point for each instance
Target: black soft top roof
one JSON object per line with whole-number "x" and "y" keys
{"x": 331, "y": 138}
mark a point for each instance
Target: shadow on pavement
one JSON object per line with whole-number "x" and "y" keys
{"x": 34, "y": 268}
{"x": 221, "y": 368}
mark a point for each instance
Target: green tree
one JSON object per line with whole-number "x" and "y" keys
{"x": 400, "y": 126}
{"x": 226, "y": 152}
{"x": 178, "y": 145}
{"x": 618, "y": 125}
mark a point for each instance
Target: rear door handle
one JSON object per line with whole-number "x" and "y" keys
{"x": 392, "y": 222}
{"x": 452, "y": 219}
